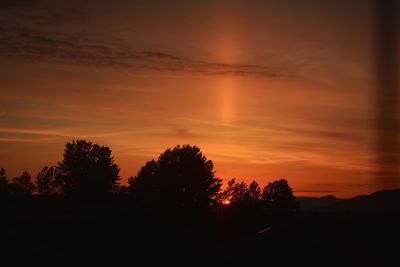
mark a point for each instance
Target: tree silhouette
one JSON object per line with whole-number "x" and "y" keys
{"x": 181, "y": 177}
{"x": 46, "y": 181}
{"x": 278, "y": 196}
{"x": 241, "y": 194}
{"x": 236, "y": 192}
{"x": 22, "y": 185}
{"x": 144, "y": 185}
{"x": 87, "y": 169}
{"x": 3, "y": 183}
{"x": 254, "y": 191}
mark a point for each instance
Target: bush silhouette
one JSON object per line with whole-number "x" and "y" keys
{"x": 181, "y": 177}
{"x": 87, "y": 169}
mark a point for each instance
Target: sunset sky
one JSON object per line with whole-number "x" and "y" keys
{"x": 267, "y": 89}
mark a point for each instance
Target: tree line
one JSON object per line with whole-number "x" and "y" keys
{"x": 181, "y": 177}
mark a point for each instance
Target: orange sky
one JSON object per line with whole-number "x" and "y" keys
{"x": 265, "y": 89}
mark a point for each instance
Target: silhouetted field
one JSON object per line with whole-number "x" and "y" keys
{"x": 56, "y": 231}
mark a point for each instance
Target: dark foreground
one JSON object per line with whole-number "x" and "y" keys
{"x": 56, "y": 232}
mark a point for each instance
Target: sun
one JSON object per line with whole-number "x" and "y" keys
{"x": 226, "y": 202}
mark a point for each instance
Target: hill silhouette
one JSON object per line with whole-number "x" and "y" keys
{"x": 380, "y": 201}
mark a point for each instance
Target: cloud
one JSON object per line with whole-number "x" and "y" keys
{"x": 15, "y": 4}
{"x": 25, "y": 140}
{"x": 13, "y": 133}
{"x": 27, "y": 34}
{"x": 56, "y": 48}
{"x": 342, "y": 185}
{"x": 314, "y": 191}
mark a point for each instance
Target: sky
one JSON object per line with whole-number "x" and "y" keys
{"x": 267, "y": 89}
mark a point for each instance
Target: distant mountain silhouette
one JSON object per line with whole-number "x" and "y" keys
{"x": 380, "y": 201}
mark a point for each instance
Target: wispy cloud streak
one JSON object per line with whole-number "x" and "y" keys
{"x": 20, "y": 39}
